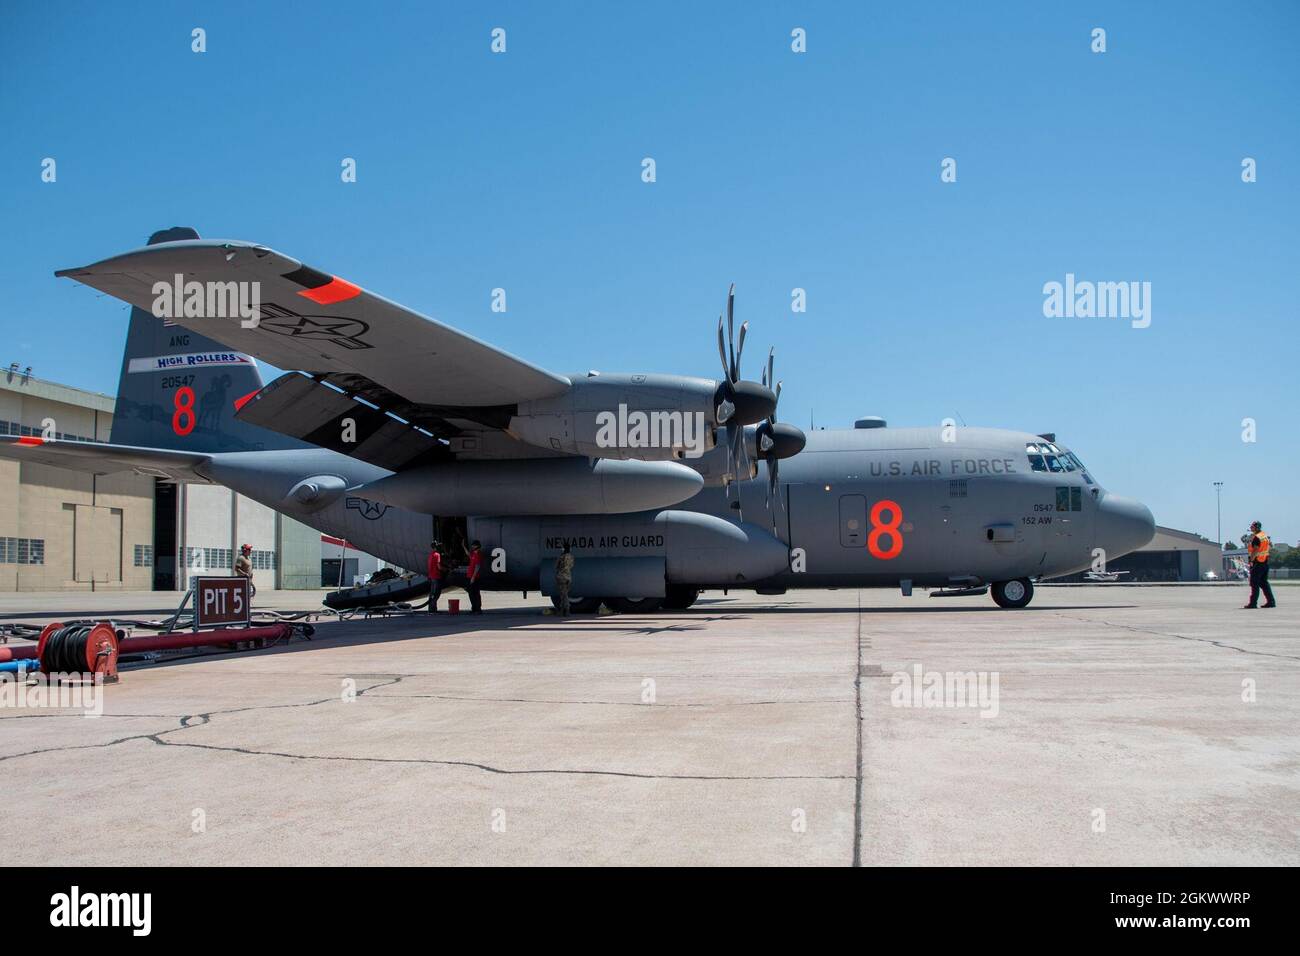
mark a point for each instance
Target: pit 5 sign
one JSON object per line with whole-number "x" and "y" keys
{"x": 221, "y": 601}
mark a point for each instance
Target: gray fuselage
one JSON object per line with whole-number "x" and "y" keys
{"x": 970, "y": 510}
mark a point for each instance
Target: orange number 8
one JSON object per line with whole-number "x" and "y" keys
{"x": 184, "y": 404}
{"x": 890, "y": 528}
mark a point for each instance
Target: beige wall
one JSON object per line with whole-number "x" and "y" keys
{"x": 90, "y": 524}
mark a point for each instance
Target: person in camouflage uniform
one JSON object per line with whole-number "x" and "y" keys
{"x": 563, "y": 579}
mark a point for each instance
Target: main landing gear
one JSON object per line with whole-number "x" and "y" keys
{"x": 625, "y": 605}
{"x": 678, "y": 598}
{"x": 578, "y": 605}
{"x": 1013, "y": 594}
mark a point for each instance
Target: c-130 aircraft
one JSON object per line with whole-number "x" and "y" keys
{"x": 396, "y": 428}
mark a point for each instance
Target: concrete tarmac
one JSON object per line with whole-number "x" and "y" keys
{"x": 1102, "y": 725}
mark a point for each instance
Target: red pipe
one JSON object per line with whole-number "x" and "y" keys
{"x": 168, "y": 642}
{"x": 229, "y": 635}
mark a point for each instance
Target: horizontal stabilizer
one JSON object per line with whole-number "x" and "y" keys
{"x": 302, "y": 407}
{"x": 104, "y": 459}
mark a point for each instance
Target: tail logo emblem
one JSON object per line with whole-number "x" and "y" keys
{"x": 370, "y": 510}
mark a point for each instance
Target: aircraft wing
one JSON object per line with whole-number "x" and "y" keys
{"x": 104, "y": 459}
{"x": 315, "y": 322}
{"x": 368, "y": 422}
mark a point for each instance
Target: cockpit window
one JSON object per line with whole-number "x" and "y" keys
{"x": 1054, "y": 464}
{"x": 1079, "y": 465}
{"x": 1035, "y": 458}
{"x": 1062, "y": 457}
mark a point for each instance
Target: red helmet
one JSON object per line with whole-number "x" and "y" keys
{"x": 245, "y": 547}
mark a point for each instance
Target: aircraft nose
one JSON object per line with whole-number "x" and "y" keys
{"x": 1123, "y": 525}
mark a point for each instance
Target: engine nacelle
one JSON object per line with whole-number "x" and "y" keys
{"x": 646, "y": 417}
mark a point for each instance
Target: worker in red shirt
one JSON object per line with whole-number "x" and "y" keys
{"x": 435, "y": 575}
{"x": 472, "y": 575}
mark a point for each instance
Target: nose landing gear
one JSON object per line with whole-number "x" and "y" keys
{"x": 1013, "y": 594}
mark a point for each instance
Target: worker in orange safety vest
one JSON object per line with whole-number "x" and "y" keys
{"x": 1257, "y": 549}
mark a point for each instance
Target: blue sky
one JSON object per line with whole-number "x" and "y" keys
{"x": 774, "y": 170}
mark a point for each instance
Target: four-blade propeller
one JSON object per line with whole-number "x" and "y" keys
{"x": 776, "y": 440}
{"x": 740, "y": 403}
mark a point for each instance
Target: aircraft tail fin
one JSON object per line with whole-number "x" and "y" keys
{"x": 180, "y": 390}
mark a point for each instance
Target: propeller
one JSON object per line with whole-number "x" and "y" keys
{"x": 776, "y": 440}
{"x": 736, "y": 401}
{"x": 739, "y": 403}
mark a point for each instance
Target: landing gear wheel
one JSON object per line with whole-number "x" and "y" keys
{"x": 680, "y": 597}
{"x": 1013, "y": 594}
{"x": 634, "y": 605}
{"x": 578, "y": 605}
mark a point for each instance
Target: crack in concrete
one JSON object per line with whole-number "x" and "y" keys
{"x": 488, "y": 768}
{"x": 51, "y": 750}
{"x": 188, "y": 721}
{"x": 82, "y": 716}
{"x": 1183, "y": 637}
{"x": 604, "y": 703}
{"x": 185, "y": 723}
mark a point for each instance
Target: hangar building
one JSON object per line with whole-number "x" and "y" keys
{"x": 63, "y": 530}
{"x": 1172, "y": 555}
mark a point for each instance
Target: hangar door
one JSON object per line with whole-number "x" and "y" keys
{"x": 96, "y": 543}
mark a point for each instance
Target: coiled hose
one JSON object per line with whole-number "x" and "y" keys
{"x": 65, "y": 649}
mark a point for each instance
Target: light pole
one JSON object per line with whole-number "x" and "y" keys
{"x": 1218, "y": 509}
